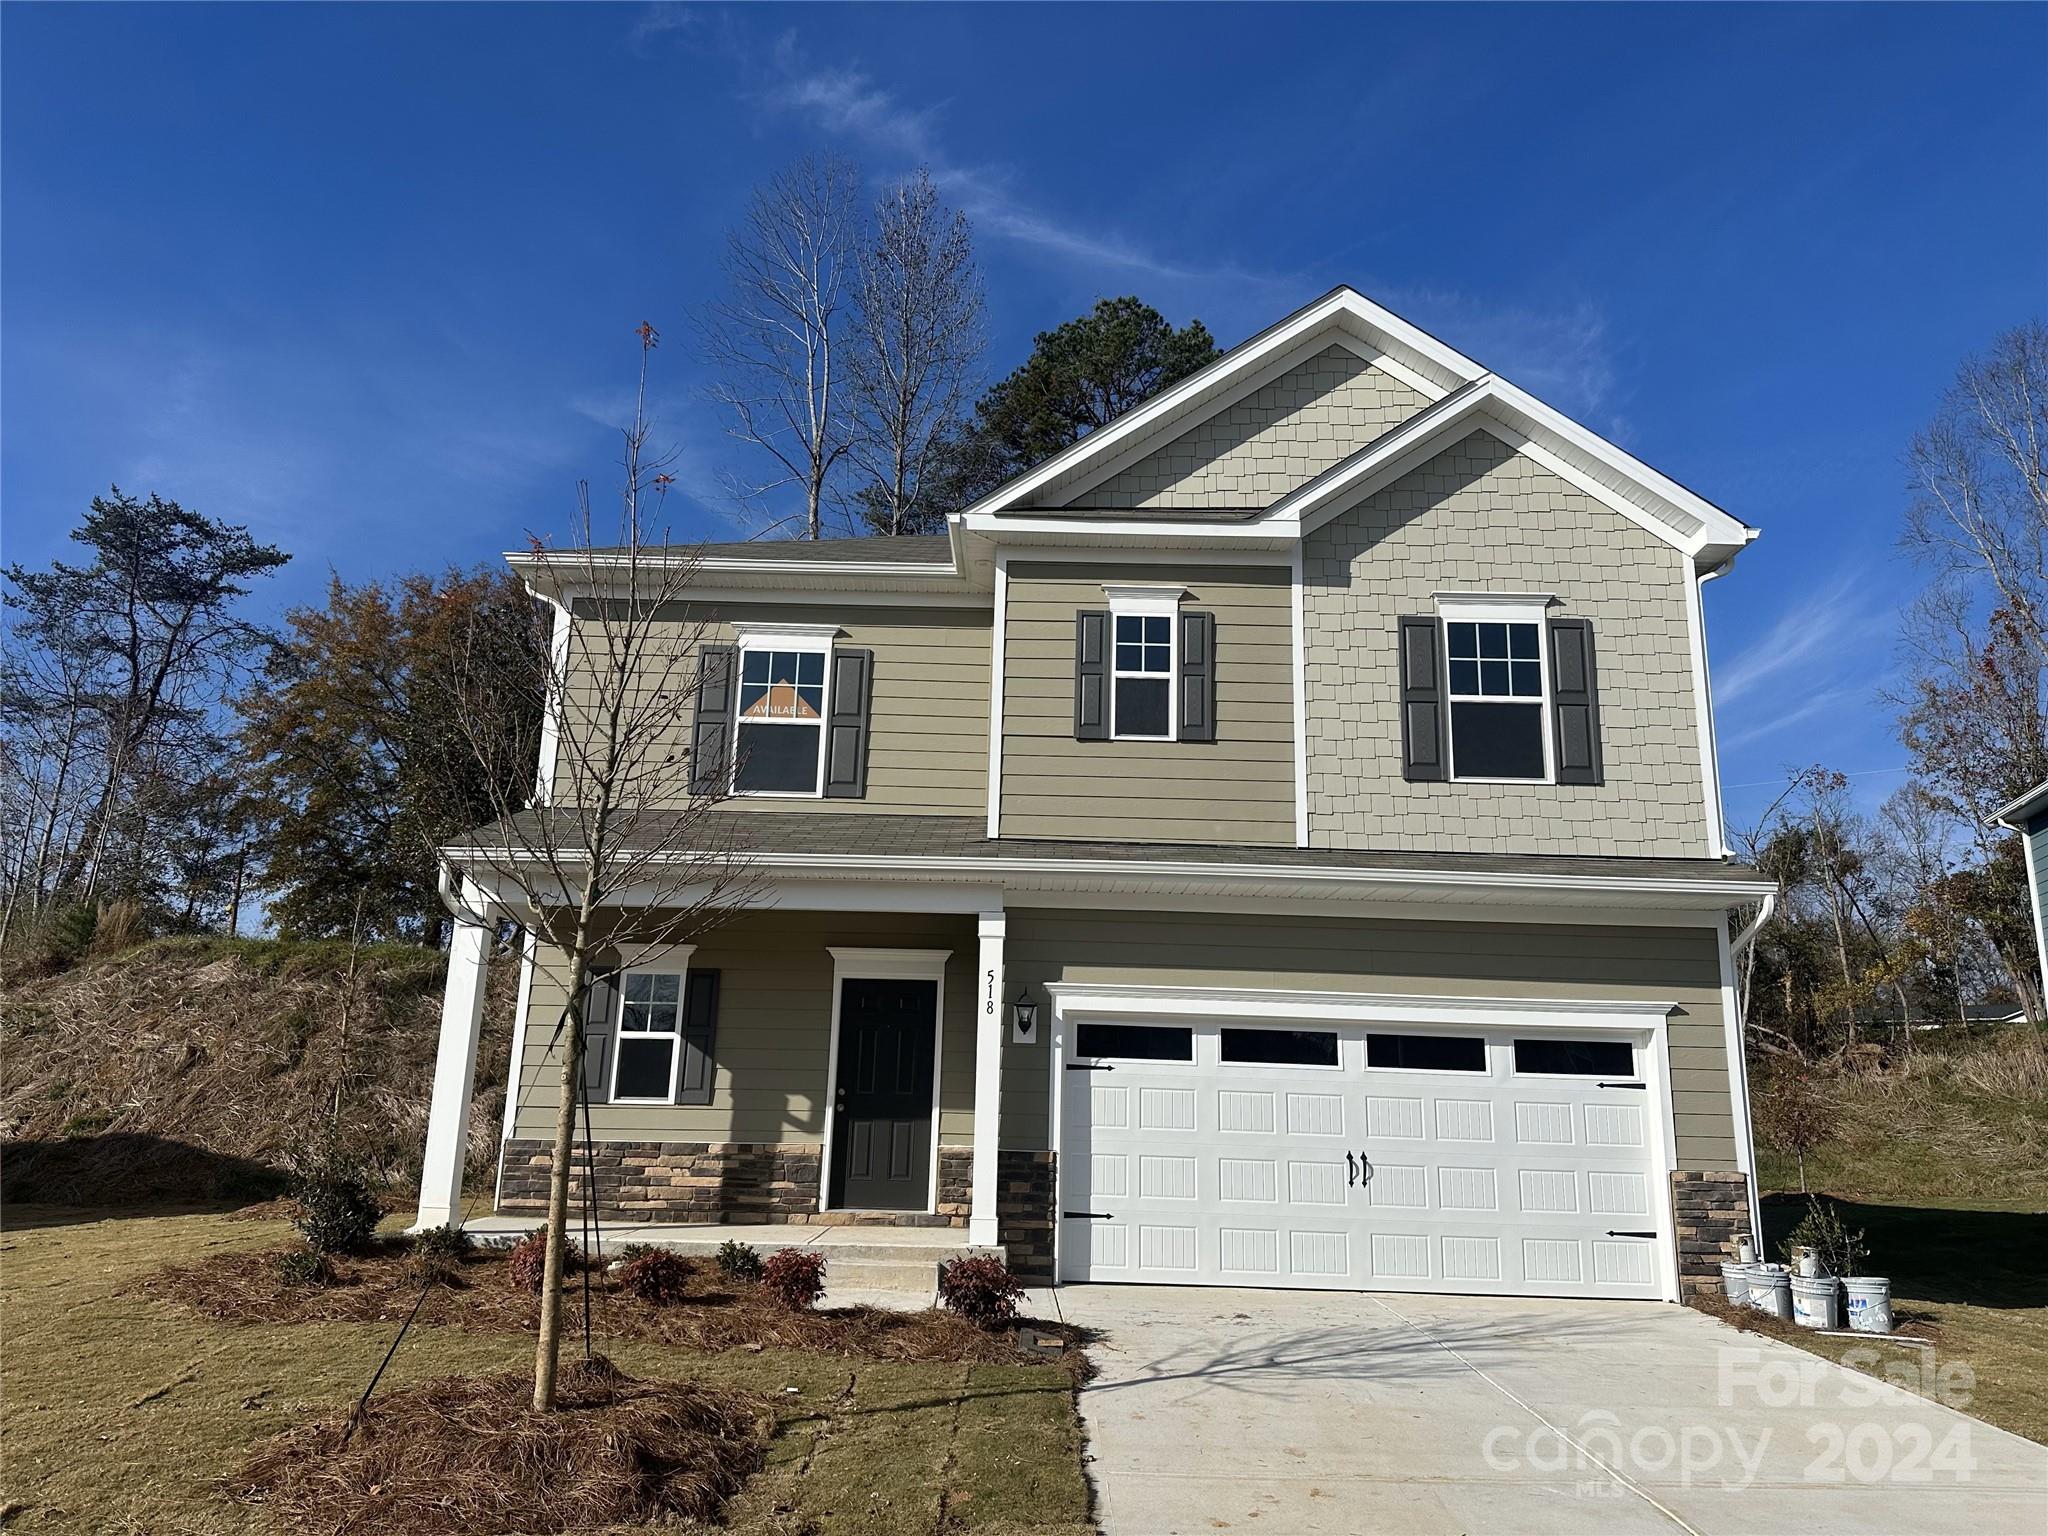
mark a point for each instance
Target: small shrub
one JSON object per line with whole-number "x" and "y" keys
{"x": 1841, "y": 1251}
{"x": 337, "y": 1212}
{"x": 527, "y": 1267}
{"x": 304, "y": 1267}
{"x": 437, "y": 1254}
{"x": 657, "y": 1277}
{"x": 634, "y": 1251}
{"x": 982, "y": 1290}
{"x": 795, "y": 1277}
{"x": 738, "y": 1260}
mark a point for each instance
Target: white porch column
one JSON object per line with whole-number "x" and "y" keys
{"x": 988, "y": 1079}
{"x": 462, "y": 1012}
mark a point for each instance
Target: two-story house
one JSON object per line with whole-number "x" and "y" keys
{"x": 1275, "y": 841}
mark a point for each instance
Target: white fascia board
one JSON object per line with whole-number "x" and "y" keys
{"x": 2016, "y": 812}
{"x": 1141, "y": 999}
{"x": 1527, "y": 424}
{"x": 1355, "y": 313}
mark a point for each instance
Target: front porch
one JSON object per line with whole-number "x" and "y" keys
{"x": 810, "y": 1072}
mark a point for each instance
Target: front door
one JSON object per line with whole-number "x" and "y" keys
{"x": 882, "y": 1107}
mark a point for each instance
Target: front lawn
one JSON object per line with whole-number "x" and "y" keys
{"x": 119, "y": 1411}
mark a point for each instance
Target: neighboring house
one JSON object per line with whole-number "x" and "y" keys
{"x": 2028, "y": 816}
{"x": 1279, "y": 844}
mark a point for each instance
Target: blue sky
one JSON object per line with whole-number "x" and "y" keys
{"x": 364, "y": 277}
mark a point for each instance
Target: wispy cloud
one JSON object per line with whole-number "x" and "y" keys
{"x": 851, "y": 105}
{"x": 1836, "y": 623}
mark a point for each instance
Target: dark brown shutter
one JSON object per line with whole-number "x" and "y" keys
{"x": 1422, "y": 701}
{"x": 846, "y": 725}
{"x": 600, "y": 1032}
{"x": 1575, "y": 699}
{"x": 711, "y": 740}
{"x": 1198, "y": 677}
{"x": 698, "y": 1073}
{"x": 1091, "y": 675}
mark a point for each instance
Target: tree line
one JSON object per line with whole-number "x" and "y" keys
{"x": 1917, "y": 916}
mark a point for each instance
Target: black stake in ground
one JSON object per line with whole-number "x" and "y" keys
{"x": 356, "y": 1417}
{"x": 593, "y": 1237}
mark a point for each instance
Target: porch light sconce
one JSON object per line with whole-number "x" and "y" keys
{"x": 1024, "y": 1018}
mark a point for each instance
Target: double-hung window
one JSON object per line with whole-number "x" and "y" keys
{"x": 1142, "y": 661}
{"x": 1499, "y": 688}
{"x": 650, "y": 1037}
{"x": 780, "y": 743}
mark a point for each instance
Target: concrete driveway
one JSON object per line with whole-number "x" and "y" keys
{"x": 1299, "y": 1413}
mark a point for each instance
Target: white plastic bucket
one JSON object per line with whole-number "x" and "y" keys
{"x": 1770, "y": 1290}
{"x": 1735, "y": 1281}
{"x": 1870, "y": 1303}
{"x": 1813, "y": 1301}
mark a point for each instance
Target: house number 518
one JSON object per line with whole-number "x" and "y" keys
{"x": 990, "y": 1005}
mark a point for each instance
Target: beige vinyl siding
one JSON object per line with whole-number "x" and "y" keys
{"x": 1236, "y": 789}
{"x": 1438, "y": 959}
{"x": 1482, "y": 517}
{"x": 1284, "y": 432}
{"x": 774, "y": 1026}
{"x": 928, "y": 721}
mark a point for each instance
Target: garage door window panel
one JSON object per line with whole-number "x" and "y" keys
{"x": 1135, "y": 1042}
{"x": 1279, "y": 1047}
{"x": 1561, "y": 1057}
{"x": 1425, "y": 1053}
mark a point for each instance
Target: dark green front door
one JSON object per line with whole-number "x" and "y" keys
{"x": 882, "y": 1106}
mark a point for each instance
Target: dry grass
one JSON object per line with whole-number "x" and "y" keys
{"x": 122, "y": 1413}
{"x": 189, "y": 1069}
{"x": 471, "y": 1455}
{"x": 717, "y": 1314}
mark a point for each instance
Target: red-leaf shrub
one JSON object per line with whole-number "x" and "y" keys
{"x": 527, "y": 1268}
{"x": 659, "y": 1278}
{"x": 795, "y": 1277}
{"x": 981, "y": 1289}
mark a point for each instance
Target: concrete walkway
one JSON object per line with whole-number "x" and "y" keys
{"x": 1316, "y": 1413}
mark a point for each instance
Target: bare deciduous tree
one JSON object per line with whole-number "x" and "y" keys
{"x": 617, "y": 856}
{"x": 1979, "y": 475}
{"x": 918, "y": 338}
{"x": 776, "y": 336}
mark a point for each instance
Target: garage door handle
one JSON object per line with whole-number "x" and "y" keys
{"x": 1350, "y": 1170}
{"x": 1621, "y": 1085}
{"x": 1612, "y": 1233}
{"x": 1087, "y": 1216}
{"x": 1090, "y": 1066}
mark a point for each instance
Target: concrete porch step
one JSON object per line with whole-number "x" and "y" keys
{"x": 902, "y": 1260}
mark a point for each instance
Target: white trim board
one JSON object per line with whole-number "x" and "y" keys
{"x": 860, "y": 964}
{"x": 1140, "y": 999}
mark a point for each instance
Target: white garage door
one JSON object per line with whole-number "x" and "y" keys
{"x": 1358, "y": 1157}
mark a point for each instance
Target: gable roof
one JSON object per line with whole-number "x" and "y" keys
{"x": 1464, "y": 396}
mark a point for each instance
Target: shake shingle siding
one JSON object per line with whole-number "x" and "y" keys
{"x": 1281, "y": 434}
{"x": 1480, "y": 517}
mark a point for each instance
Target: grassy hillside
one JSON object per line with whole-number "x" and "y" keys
{"x": 1962, "y": 1120}
{"x": 196, "y": 1068}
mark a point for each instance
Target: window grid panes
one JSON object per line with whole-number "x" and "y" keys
{"x": 782, "y": 687}
{"x": 1495, "y": 661}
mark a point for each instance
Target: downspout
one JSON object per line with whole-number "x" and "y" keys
{"x": 1739, "y": 1075}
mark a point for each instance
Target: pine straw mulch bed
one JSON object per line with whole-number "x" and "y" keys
{"x": 469, "y": 1454}
{"x": 475, "y": 1293}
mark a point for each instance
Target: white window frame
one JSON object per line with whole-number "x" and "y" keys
{"x": 1635, "y": 1061}
{"x": 812, "y": 639}
{"x": 676, "y": 964}
{"x": 1503, "y": 608}
{"x": 1147, "y": 603}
